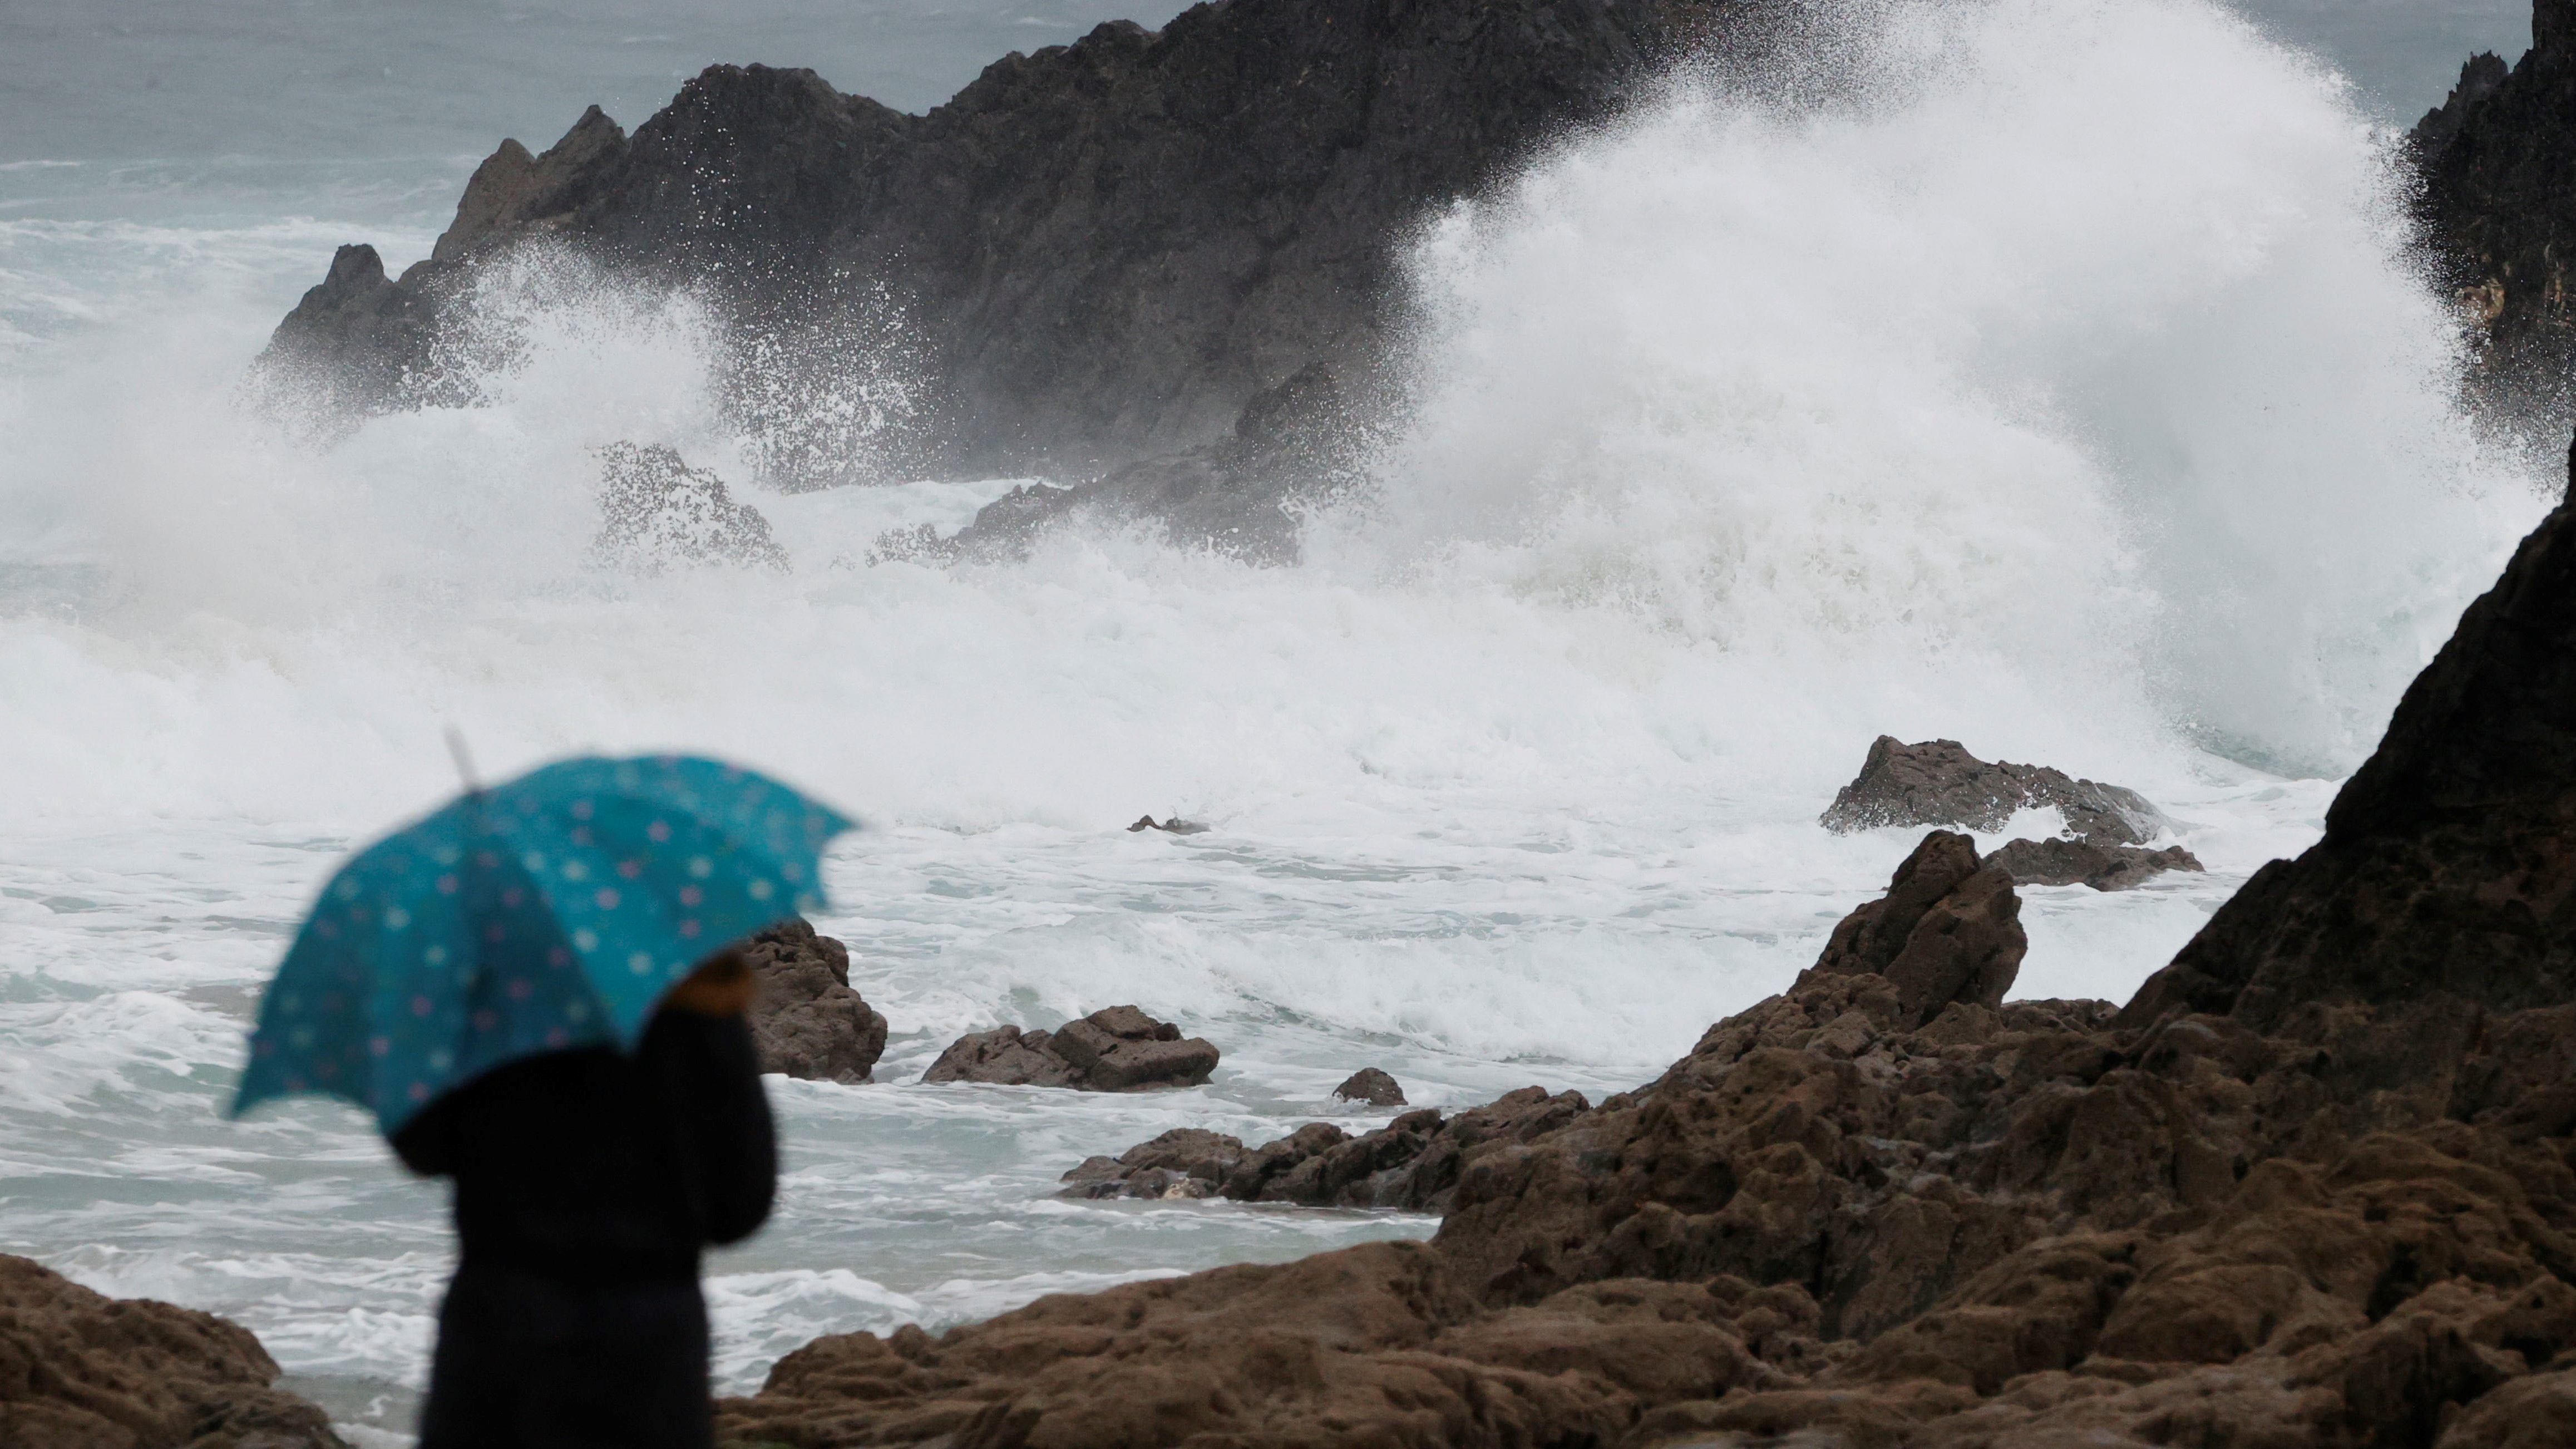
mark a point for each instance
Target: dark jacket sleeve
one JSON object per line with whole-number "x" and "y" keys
{"x": 730, "y": 1142}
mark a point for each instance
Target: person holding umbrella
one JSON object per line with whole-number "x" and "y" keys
{"x": 535, "y": 991}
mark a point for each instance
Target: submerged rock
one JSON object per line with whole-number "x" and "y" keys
{"x": 78, "y": 1369}
{"x": 807, "y": 1022}
{"x": 2076, "y": 862}
{"x": 1937, "y": 782}
{"x": 1114, "y": 1049}
{"x": 1371, "y": 1086}
{"x": 1174, "y": 826}
{"x": 655, "y": 510}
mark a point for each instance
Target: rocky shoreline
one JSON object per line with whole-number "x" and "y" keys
{"x": 2314, "y": 1185}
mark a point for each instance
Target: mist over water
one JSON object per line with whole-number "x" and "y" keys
{"x": 2053, "y": 380}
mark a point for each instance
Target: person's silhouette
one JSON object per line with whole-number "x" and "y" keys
{"x": 587, "y": 1182}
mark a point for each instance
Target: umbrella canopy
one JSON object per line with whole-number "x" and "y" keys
{"x": 549, "y": 912}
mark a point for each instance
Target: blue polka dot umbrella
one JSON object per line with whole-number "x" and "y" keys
{"x": 549, "y": 912}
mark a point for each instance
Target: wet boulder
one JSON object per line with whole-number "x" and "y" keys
{"x": 2075, "y": 862}
{"x": 656, "y": 511}
{"x": 80, "y": 1369}
{"x": 1371, "y": 1086}
{"x": 1115, "y": 1049}
{"x": 1937, "y": 782}
{"x": 807, "y": 1021}
{"x": 1186, "y": 1162}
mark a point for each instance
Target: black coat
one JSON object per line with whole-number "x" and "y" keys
{"x": 586, "y": 1184}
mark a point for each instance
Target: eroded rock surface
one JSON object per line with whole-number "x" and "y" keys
{"x": 808, "y": 1022}
{"x": 79, "y": 1370}
{"x": 1937, "y": 782}
{"x": 1114, "y": 1049}
{"x": 2075, "y": 862}
{"x": 655, "y": 511}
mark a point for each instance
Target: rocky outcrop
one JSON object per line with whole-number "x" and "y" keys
{"x": 78, "y": 1369}
{"x": 1372, "y": 1087}
{"x": 2075, "y": 862}
{"x": 1937, "y": 782}
{"x": 2495, "y": 157}
{"x": 807, "y": 1022}
{"x": 656, "y": 511}
{"x": 1114, "y": 1049}
{"x": 1836, "y": 1223}
{"x": 1105, "y": 250}
{"x": 1411, "y": 1164}
{"x": 2444, "y": 876}
{"x": 2315, "y": 1186}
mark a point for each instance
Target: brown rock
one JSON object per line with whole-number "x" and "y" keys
{"x": 1115, "y": 1049}
{"x": 79, "y": 1370}
{"x": 1937, "y": 782}
{"x": 1371, "y": 1086}
{"x": 1948, "y": 929}
{"x": 1887, "y": 1208}
{"x": 807, "y": 1021}
{"x": 2075, "y": 862}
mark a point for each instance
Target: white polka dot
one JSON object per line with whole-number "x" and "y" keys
{"x": 396, "y": 918}
{"x": 701, "y": 867}
{"x": 574, "y": 870}
{"x": 760, "y": 890}
{"x": 585, "y": 939}
{"x": 641, "y": 963}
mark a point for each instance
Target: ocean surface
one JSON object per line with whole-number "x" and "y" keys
{"x": 2064, "y": 390}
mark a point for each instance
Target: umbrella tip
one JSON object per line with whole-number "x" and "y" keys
{"x": 464, "y": 760}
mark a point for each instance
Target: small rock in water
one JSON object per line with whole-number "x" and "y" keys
{"x": 807, "y": 1021}
{"x": 1371, "y": 1086}
{"x": 1114, "y": 1049}
{"x": 1937, "y": 782}
{"x": 655, "y": 510}
{"x": 2075, "y": 862}
{"x": 1176, "y": 825}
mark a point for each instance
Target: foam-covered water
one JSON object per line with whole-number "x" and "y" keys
{"x": 2058, "y": 387}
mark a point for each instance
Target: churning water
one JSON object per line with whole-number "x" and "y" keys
{"x": 2047, "y": 375}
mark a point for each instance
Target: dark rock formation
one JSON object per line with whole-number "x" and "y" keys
{"x": 2445, "y": 875}
{"x": 357, "y": 343}
{"x": 1107, "y": 249}
{"x": 807, "y": 1021}
{"x": 1411, "y": 1164}
{"x": 2315, "y": 1186}
{"x": 1938, "y": 782}
{"x": 2075, "y": 862}
{"x": 1296, "y": 443}
{"x": 1114, "y": 1049}
{"x": 82, "y": 1371}
{"x": 1174, "y": 826}
{"x": 2496, "y": 157}
{"x": 1948, "y": 929}
{"x": 655, "y": 510}
{"x": 1373, "y": 1087}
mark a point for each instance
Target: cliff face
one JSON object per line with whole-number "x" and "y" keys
{"x": 1100, "y": 251}
{"x": 2499, "y": 205}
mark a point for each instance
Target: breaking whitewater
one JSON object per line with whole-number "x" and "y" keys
{"x": 2065, "y": 390}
